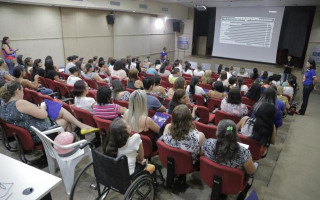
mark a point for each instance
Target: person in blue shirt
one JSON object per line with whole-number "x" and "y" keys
{"x": 309, "y": 83}
{"x": 163, "y": 55}
{"x": 152, "y": 69}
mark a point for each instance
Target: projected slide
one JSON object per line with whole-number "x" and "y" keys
{"x": 248, "y": 31}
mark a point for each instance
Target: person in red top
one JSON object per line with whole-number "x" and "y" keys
{"x": 8, "y": 53}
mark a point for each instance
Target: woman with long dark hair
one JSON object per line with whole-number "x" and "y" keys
{"x": 261, "y": 128}
{"x": 118, "y": 92}
{"x": 233, "y": 103}
{"x": 309, "y": 83}
{"x": 36, "y": 65}
{"x": 9, "y": 54}
{"x": 255, "y": 74}
{"x": 187, "y": 69}
{"x": 254, "y": 92}
{"x": 181, "y": 97}
{"x": 225, "y": 150}
{"x": 163, "y": 70}
{"x": 218, "y": 91}
{"x": 50, "y": 71}
{"x": 193, "y": 88}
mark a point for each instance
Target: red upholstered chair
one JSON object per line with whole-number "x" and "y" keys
{"x": 177, "y": 161}
{"x": 289, "y": 98}
{"x": 166, "y": 100}
{"x": 205, "y": 86}
{"x": 122, "y": 103}
{"x": 170, "y": 85}
{"x": 86, "y": 117}
{"x": 65, "y": 106}
{"x": 187, "y": 76}
{"x": 101, "y": 83}
{"x": 25, "y": 143}
{"x": 114, "y": 78}
{"x": 151, "y": 113}
{"x": 35, "y": 96}
{"x": 214, "y": 103}
{"x": 93, "y": 94}
{"x": 43, "y": 81}
{"x": 103, "y": 125}
{"x": 102, "y": 76}
{"x": 51, "y": 84}
{"x": 63, "y": 76}
{"x": 124, "y": 82}
{"x": 7, "y": 136}
{"x": 29, "y": 76}
{"x": 220, "y": 115}
{"x": 62, "y": 89}
{"x": 130, "y": 90}
{"x": 142, "y": 75}
{"x": 149, "y": 75}
{"x": 199, "y": 99}
{"x": 208, "y": 130}
{"x": 247, "y": 101}
{"x": 164, "y": 84}
{"x": 257, "y": 150}
{"x": 70, "y": 88}
{"x": 231, "y": 180}
{"x": 26, "y": 95}
{"x": 204, "y": 115}
{"x": 164, "y": 78}
{"x": 91, "y": 83}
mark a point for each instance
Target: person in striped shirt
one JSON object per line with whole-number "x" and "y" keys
{"x": 105, "y": 108}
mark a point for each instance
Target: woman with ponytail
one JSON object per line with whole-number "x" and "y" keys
{"x": 193, "y": 88}
{"x": 225, "y": 150}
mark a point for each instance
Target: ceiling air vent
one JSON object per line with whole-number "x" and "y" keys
{"x": 115, "y": 3}
{"x": 143, "y": 6}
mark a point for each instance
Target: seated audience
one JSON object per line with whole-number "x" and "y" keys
{"x": 226, "y": 151}
{"x": 187, "y": 69}
{"x": 152, "y": 69}
{"x": 233, "y": 103}
{"x": 158, "y": 90}
{"x": 224, "y": 78}
{"x": 4, "y": 75}
{"x": 255, "y": 74}
{"x": 288, "y": 87}
{"x": 137, "y": 114}
{"x": 178, "y": 84}
{"x": 118, "y": 70}
{"x": 22, "y": 113}
{"x": 206, "y": 78}
{"x": 50, "y": 71}
{"x": 193, "y": 88}
{"x": 264, "y": 76}
{"x": 226, "y": 69}
{"x": 175, "y": 74}
{"x": 89, "y": 74}
{"x": 243, "y": 88}
{"x": 119, "y": 142}
{"x": 182, "y": 133}
{"x": 80, "y": 92}
{"x": 72, "y": 60}
{"x": 110, "y": 64}
{"x": 180, "y": 97}
{"x": 118, "y": 92}
{"x": 219, "y": 70}
{"x": 103, "y": 68}
{"x": 243, "y": 73}
{"x": 163, "y": 71}
{"x": 276, "y": 79}
{"x": 104, "y": 108}
{"x": 198, "y": 71}
{"x": 254, "y": 92}
{"x": 20, "y": 61}
{"x": 283, "y": 99}
{"x": 158, "y": 64}
{"x": 232, "y": 82}
{"x": 260, "y": 128}
{"x": 28, "y": 64}
{"x": 18, "y": 73}
{"x": 152, "y": 102}
{"x": 134, "y": 82}
{"x": 74, "y": 75}
{"x": 37, "y": 65}
{"x": 218, "y": 91}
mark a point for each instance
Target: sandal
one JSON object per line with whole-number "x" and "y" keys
{"x": 90, "y": 130}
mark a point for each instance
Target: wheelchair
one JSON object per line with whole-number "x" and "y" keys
{"x": 108, "y": 176}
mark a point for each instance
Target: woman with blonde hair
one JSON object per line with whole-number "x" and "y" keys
{"x": 206, "y": 79}
{"x": 137, "y": 114}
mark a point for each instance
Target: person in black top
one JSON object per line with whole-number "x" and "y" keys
{"x": 288, "y": 66}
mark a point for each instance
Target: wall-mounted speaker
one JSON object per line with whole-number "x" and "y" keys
{"x": 110, "y": 19}
{"x": 176, "y": 26}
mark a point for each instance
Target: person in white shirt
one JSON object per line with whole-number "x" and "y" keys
{"x": 243, "y": 88}
{"x": 228, "y": 73}
{"x": 243, "y": 73}
{"x": 223, "y": 78}
{"x": 276, "y": 79}
{"x": 119, "y": 142}
{"x": 74, "y": 76}
{"x": 111, "y": 66}
{"x": 72, "y": 63}
{"x": 187, "y": 69}
{"x": 133, "y": 63}
{"x": 158, "y": 64}
{"x": 193, "y": 88}
{"x": 198, "y": 71}
{"x": 81, "y": 100}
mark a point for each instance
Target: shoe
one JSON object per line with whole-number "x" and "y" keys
{"x": 298, "y": 113}
{"x": 91, "y": 130}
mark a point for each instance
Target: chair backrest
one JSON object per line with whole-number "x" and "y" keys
{"x": 149, "y": 75}
{"x": 35, "y": 96}
{"x": 23, "y": 136}
{"x": 182, "y": 159}
{"x": 199, "y": 99}
{"x": 187, "y": 76}
{"x": 91, "y": 83}
{"x": 247, "y": 101}
{"x": 5, "y": 128}
{"x": 203, "y": 113}
{"x": 43, "y": 81}
{"x": 29, "y": 75}
{"x": 124, "y": 82}
{"x": 256, "y": 149}
{"x": 64, "y": 76}
{"x": 114, "y": 78}
{"x": 65, "y": 106}
{"x": 232, "y": 178}
{"x": 164, "y": 84}
{"x": 122, "y": 103}
{"x": 151, "y": 113}
{"x": 214, "y": 103}
{"x": 102, "y": 76}
{"x": 164, "y": 78}
{"x": 205, "y": 86}
{"x": 289, "y": 98}
{"x": 147, "y": 146}
{"x": 26, "y": 95}
{"x": 101, "y": 83}
{"x": 51, "y": 84}
{"x": 220, "y": 115}
{"x": 111, "y": 172}
{"x": 130, "y": 90}
{"x": 84, "y": 116}
{"x": 62, "y": 88}
{"x": 103, "y": 125}
{"x": 210, "y": 131}
{"x": 167, "y": 101}
{"x": 93, "y": 94}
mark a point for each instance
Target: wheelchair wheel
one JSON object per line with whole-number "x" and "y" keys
{"x": 142, "y": 188}
{"x": 85, "y": 186}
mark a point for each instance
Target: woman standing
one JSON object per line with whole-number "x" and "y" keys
{"x": 309, "y": 83}
{"x": 8, "y": 53}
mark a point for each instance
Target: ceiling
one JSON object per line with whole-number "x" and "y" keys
{"x": 244, "y": 3}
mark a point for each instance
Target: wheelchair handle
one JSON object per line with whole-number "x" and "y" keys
{"x": 91, "y": 146}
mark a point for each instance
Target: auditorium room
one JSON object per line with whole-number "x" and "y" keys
{"x": 159, "y": 99}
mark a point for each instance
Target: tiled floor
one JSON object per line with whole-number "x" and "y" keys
{"x": 290, "y": 170}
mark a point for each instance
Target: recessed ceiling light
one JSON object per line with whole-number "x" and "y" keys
{"x": 133, "y": 11}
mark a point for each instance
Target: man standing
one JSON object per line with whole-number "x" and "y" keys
{"x": 287, "y": 68}
{"x": 163, "y": 55}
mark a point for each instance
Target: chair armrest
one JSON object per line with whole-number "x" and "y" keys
{"x": 69, "y": 146}
{"x": 53, "y": 94}
{"x": 67, "y": 99}
{"x": 58, "y": 129}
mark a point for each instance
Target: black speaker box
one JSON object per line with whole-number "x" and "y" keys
{"x": 110, "y": 19}
{"x": 176, "y": 26}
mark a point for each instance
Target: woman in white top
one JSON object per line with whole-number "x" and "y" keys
{"x": 198, "y": 71}
{"x": 72, "y": 60}
{"x": 74, "y": 77}
{"x": 243, "y": 88}
{"x": 288, "y": 87}
{"x": 243, "y": 73}
{"x": 119, "y": 142}
{"x": 187, "y": 69}
{"x": 118, "y": 70}
{"x": 81, "y": 100}
{"x": 224, "y": 78}
{"x": 193, "y": 88}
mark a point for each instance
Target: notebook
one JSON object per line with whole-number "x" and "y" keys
{"x": 53, "y": 108}
{"x": 160, "y": 118}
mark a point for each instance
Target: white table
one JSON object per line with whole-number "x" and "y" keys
{"x": 24, "y": 176}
